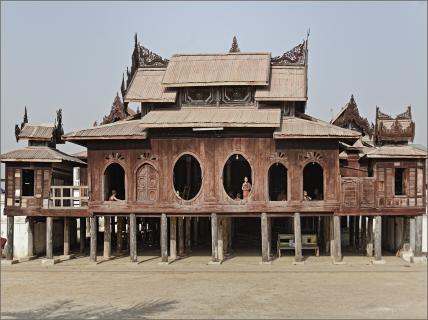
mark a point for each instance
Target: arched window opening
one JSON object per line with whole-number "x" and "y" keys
{"x": 147, "y": 183}
{"x": 237, "y": 177}
{"x": 313, "y": 182}
{"x": 187, "y": 177}
{"x": 114, "y": 182}
{"x": 277, "y": 176}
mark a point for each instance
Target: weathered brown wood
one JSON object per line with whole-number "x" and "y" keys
{"x": 297, "y": 238}
{"x": 357, "y": 234}
{"x": 10, "y": 231}
{"x": 188, "y": 235}
{"x": 180, "y": 222}
{"x": 94, "y": 234}
{"x": 214, "y": 238}
{"x": 164, "y": 238}
{"x": 269, "y": 230}
{"x": 173, "y": 237}
{"x": 337, "y": 239}
{"x": 226, "y": 235}
{"x": 82, "y": 231}
{"x": 265, "y": 237}
{"x": 107, "y": 237}
{"x": 369, "y": 247}
{"x": 220, "y": 247}
{"x": 363, "y": 232}
{"x": 120, "y": 230}
{"x": 133, "y": 237}
{"x": 49, "y": 236}
{"x": 418, "y": 236}
{"x": 30, "y": 229}
{"x": 378, "y": 238}
{"x": 66, "y": 236}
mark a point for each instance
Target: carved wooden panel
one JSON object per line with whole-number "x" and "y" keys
{"x": 147, "y": 183}
{"x": 350, "y": 193}
{"x": 9, "y": 187}
{"x": 46, "y": 183}
{"x": 389, "y": 182}
{"x": 367, "y": 192}
{"x": 412, "y": 182}
{"x": 420, "y": 181}
{"x": 38, "y": 183}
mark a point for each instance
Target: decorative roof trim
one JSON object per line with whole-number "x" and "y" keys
{"x": 295, "y": 56}
{"x": 234, "y": 48}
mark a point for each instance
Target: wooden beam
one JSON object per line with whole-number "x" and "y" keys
{"x": 93, "y": 247}
{"x": 173, "y": 237}
{"x": 265, "y": 238}
{"x": 297, "y": 238}
{"x": 66, "y": 236}
{"x": 10, "y": 227}
{"x": 82, "y": 234}
{"x": 30, "y": 236}
{"x": 49, "y": 235}
{"x": 418, "y": 236}
{"x": 180, "y": 236}
{"x": 164, "y": 238}
{"x": 378, "y": 238}
{"x": 337, "y": 239}
{"x": 133, "y": 237}
{"x": 369, "y": 246}
{"x": 214, "y": 238}
{"x": 188, "y": 238}
{"x": 107, "y": 237}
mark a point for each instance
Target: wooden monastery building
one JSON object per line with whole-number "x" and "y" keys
{"x": 221, "y": 157}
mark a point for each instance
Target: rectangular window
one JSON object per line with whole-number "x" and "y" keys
{"x": 399, "y": 181}
{"x": 27, "y": 183}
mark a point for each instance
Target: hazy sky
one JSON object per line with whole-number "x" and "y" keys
{"x": 71, "y": 55}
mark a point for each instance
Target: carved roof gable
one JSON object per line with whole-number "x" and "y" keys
{"x": 118, "y": 111}
{"x": 295, "y": 56}
{"x": 400, "y": 129}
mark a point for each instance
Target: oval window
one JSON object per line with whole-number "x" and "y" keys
{"x": 237, "y": 177}
{"x": 187, "y": 177}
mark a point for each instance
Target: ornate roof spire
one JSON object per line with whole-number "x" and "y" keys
{"x": 25, "y": 117}
{"x": 122, "y": 87}
{"x": 295, "y": 56}
{"x": 234, "y": 47}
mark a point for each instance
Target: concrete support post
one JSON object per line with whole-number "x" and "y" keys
{"x": 9, "y": 243}
{"x": 220, "y": 246}
{"x": 412, "y": 226}
{"x": 49, "y": 236}
{"x": 418, "y": 236}
{"x": 378, "y": 238}
{"x": 269, "y": 235}
{"x": 180, "y": 236}
{"x": 66, "y": 236}
{"x": 297, "y": 238}
{"x": 133, "y": 237}
{"x": 265, "y": 237}
{"x": 107, "y": 237}
{"x": 82, "y": 234}
{"x": 173, "y": 238}
{"x": 30, "y": 236}
{"x": 369, "y": 246}
{"x": 94, "y": 234}
{"x": 337, "y": 239}
{"x": 164, "y": 238}
{"x": 214, "y": 238}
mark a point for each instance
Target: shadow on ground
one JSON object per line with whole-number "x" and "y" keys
{"x": 67, "y": 309}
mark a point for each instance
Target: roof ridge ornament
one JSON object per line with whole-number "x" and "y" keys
{"x": 234, "y": 48}
{"x": 18, "y": 128}
{"x": 295, "y": 56}
{"x": 406, "y": 115}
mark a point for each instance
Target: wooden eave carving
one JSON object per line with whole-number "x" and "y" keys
{"x": 295, "y": 56}
{"x": 395, "y": 130}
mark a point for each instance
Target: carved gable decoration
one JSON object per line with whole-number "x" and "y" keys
{"x": 114, "y": 156}
{"x": 295, "y": 56}
{"x": 118, "y": 112}
{"x": 349, "y": 118}
{"x": 310, "y": 156}
{"x": 147, "y": 156}
{"x": 278, "y": 156}
{"x": 398, "y": 130}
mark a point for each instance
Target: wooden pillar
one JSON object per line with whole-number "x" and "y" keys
{"x": 269, "y": 234}
{"x": 195, "y": 231}
{"x": 107, "y": 237}
{"x": 133, "y": 237}
{"x": 188, "y": 234}
{"x": 297, "y": 238}
{"x": 230, "y": 235}
{"x": 119, "y": 235}
{"x": 49, "y": 235}
{"x": 164, "y": 238}
{"x": 220, "y": 247}
{"x": 94, "y": 234}
{"x": 10, "y": 227}
{"x": 82, "y": 234}
{"x": 369, "y": 246}
{"x": 337, "y": 239}
{"x": 214, "y": 238}
{"x": 418, "y": 236}
{"x": 113, "y": 227}
{"x": 30, "y": 236}
{"x": 412, "y": 231}
{"x": 327, "y": 234}
{"x": 351, "y": 231}
{"x": 66, "y": 236}
{"x": 173, "y": 237}
{"x": 180, "y": 237}
{"x": 265, "y": 237}
{"x": 378, "y": 238}
{"x": 363, "y": 232}
{"x": 357, "y": 235}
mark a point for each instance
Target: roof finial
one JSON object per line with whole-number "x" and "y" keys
{"x": 25, "y": 115}
{"x": 135, "y": 40}
{"x": 234, "y": 47}
{"x": 122, "y": 87}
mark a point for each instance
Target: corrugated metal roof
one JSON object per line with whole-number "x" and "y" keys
{"x": 309, "y": 127}
{"x": 218, "y": 70}
{"x": 396, "y": 151}
{"x": 38, "y": 154}
{"x": 37, "y": 131}
{"x": 286, "y": 83}
{"x": 113, "y": 130}
{"x": 146, "y": 86}
{"x": 212, "y": 117}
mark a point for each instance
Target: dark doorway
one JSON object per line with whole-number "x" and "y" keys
{"x": 235, "y": 171}
{"x": 27, "y": 183}
{"x": 114, "y": 179}
{"x": 399, "y": 181}
{"x": 187, "y": 177}
{"x": 277, "y": 182}
{"x": 313, "y": 182}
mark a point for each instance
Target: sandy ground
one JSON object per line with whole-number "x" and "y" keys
{"x": 190, "y": 288}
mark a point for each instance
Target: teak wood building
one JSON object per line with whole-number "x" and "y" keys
{"x": 221, "y": 152}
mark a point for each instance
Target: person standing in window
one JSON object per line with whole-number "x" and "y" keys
{"x": 246, "y": 188}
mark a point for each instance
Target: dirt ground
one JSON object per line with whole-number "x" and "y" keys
{"x": 190, "y": 288}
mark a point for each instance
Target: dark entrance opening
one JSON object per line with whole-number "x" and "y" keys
{"x": 235, "y": 171}
{"x": 277, "y": 182}
{"x": 399, "y": 181}
{"x": 246, "y": 236}
{"x": 313, "y": 182}
{"x": 114, "y": 179}
{"x": 187, "y": 177}
{"x": 27, "y": 183}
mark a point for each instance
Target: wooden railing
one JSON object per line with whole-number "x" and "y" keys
{"x": 68, "y": 197}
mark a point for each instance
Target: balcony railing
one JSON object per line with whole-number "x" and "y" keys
{"x": 68, "y": 197}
